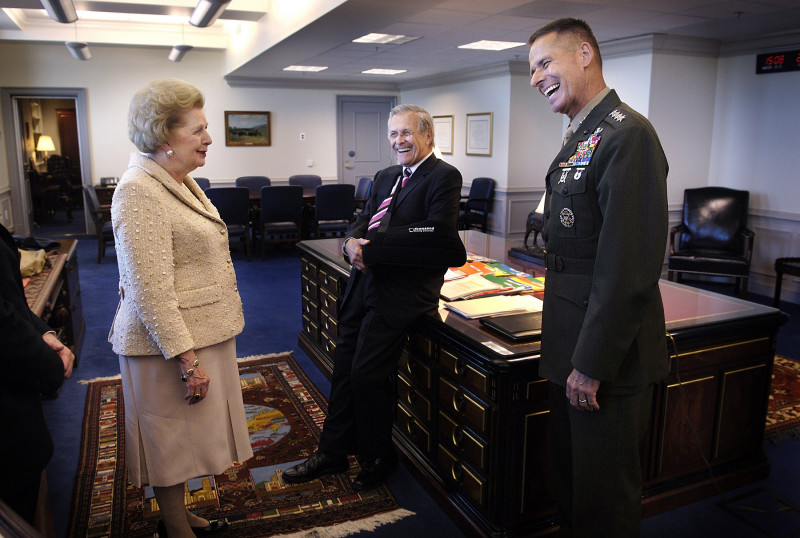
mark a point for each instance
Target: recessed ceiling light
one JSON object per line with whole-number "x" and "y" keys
{"x": 306, "y": 68}
{"x": 491, "y": 45}
{"x": 384, "y": 71}
{"x": 385, "y": 39}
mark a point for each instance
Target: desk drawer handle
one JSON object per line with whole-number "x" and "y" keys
{"x": 412, "y": 396}
{"x": 412, "y": 427}
{"x": 457, "y": 470}
{"x": 459, "y": 402}
{"x": 458, "y": 436}
{"x": 461, "y": 367}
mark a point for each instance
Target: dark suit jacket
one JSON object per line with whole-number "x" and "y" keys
{"x": 28, "y": 367}
{"x": 605, "y": 231}
{"x": 406, "y": 290}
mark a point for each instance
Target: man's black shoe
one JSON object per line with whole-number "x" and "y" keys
{"x": 374, "y": 473}
{"x": 317, "y": 465}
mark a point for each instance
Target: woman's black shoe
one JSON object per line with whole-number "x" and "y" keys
{"x": 161, "y": 529}
{"x": 213, "y": 527}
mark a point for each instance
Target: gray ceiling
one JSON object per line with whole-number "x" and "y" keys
{"x": 443, "y": 25}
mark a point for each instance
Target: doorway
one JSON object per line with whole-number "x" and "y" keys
{"x": 362, "y": 146}
{"x": 61, "y": 114}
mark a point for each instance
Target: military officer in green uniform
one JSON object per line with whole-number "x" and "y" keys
{"x": 603, "y": 332}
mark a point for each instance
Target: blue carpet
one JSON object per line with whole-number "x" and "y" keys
{"x": 270, "y": 292}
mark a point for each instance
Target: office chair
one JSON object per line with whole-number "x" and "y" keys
{"x": 712, "y": 238}
{"x": 202, "y": 182}
{"x": 474, "y": 212}
{"x": 334, "y": 206}
{"x": 253, "y": 183}
{"x": 281, "y": 214}
{"x": 101, "y": 217}
{"x": 362, "y": 193}
{"x": 306, "y": 181}
{"x": 233, "y": 204}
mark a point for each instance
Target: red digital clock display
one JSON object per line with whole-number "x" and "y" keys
{"x": 778, "y": 62}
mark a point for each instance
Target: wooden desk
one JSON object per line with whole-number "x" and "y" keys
{"x": 104, "y": 194}
{"x": 472, "y": 412}
{"x": 55, "y": 295}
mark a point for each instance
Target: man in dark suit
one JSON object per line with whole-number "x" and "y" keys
{"x": 400, "y": 248}
{"x": 603, "y": 331}
{"x": 32, "y": 362}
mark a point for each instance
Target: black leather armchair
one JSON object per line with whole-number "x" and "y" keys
{"x": 713, "y": 238}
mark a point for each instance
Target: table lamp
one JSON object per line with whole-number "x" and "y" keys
{"x": 45, "y": 144}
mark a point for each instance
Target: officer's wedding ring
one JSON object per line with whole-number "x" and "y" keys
{"x": 196, "y": 396}
{"x": 581, "y": 401}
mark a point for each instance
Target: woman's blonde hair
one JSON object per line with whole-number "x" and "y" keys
{"x": 156, "y": 109}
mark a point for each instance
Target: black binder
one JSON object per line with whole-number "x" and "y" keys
{"x": 520, "y": 327}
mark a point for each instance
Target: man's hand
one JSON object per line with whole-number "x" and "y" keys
{"x": 353, "y": 248}
{"x": 64, "y": 353}
{"x": 582, "y": 391}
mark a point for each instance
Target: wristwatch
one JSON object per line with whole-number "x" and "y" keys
{"x": 344, "y": 246}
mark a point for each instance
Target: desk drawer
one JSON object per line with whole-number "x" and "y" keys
{"x": 464, "y": 406}
{"x": 413, "y": 399}
{"x": 328, "y": 345}
{"x": 311, "y": 328}
{"x": 466, "y": 373}
{"x": 310, "y": 288}
{"x": 417, "y": 372}
{"x": 310, "y": 309}
{"x": 457, "y": 471}
{"x": 308, "y": 267}
{"x": 329, "y": 281}
{"x": 462, "y": 442}
{"x": 329, "y": 326}
{"x": 329, "y": 303}
{"x": 413, "y": 429}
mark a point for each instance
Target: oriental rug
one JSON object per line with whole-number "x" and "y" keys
{"x": 285, "y": 413}
{"x": 783, "y": 411}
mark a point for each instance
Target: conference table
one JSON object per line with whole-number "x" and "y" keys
{"x": 471, "y": 415}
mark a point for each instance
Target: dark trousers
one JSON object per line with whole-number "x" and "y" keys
{"x": 362, "y": 400}
{"x": 596, "y": 462}
{"x": 19, "y": 489}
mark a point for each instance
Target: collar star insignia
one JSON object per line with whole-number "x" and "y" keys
{"x": 617, "y": 115}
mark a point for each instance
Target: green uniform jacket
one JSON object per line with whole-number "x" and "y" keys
{"x": 605, "y": 233}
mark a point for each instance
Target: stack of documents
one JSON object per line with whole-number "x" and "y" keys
{"x": 495, "y": 305}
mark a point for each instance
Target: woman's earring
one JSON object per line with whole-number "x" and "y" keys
{"x": 170, "y": 153}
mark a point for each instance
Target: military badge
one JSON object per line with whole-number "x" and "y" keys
{"x": 617, "y": 115}
{"x": 567, "y": 217}
{"x": 583, "y": 154}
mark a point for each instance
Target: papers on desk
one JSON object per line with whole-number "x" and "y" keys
{"x": 468, "y": 285}
{"x": 491, "y": 306}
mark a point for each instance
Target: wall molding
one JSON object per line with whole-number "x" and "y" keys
{"x": 777, "y": 235}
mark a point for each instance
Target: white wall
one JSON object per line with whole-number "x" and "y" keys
{"x": 458, "y": 100}
{"x": 755, "y": 135}
{"x": 114, "y": 74}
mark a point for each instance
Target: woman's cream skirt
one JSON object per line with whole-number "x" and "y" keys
{"x": 168, "y": 441}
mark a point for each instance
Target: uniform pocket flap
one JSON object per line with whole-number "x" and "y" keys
{"x": 199, "y": 296}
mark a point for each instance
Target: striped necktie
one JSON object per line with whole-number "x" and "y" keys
{"x": 375, "y": 221}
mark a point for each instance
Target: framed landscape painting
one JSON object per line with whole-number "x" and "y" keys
{"x": 247, "y": 128}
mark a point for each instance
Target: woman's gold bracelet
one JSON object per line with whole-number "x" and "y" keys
{"x": 190, "y": 371}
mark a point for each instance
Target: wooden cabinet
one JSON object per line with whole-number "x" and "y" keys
{"x": 472, "y": 412}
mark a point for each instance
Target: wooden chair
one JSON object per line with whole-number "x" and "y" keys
{"x": 101, "y": 217}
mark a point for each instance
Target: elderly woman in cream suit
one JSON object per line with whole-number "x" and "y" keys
{"x": 179, "y": 309}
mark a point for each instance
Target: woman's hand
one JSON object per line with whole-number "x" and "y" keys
{"x": 197, "y": 380}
